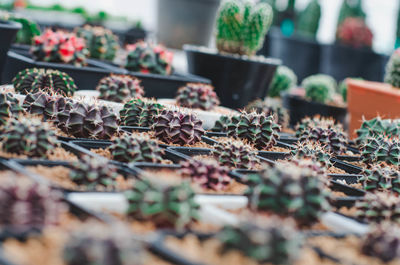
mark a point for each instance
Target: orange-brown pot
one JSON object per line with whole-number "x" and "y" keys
{"x": 369, "y": 99}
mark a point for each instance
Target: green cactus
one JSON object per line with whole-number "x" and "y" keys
{"x": 319, "y": 88}
{"x": 381, "y": 178}
{"x": 165, "y": 206}
{"x": 241, "y": 26}
{"x": 29, "y": 30}
{"x": 381, "y": 150}
{"x": 289, "y": 190}
{"x": 283, "y": 80}
{"x": 268, "y": 108}
{"x": 332, "y": 140}
{"x": 377, "y": 127}
{"x": 314, "y": 151}
{"x": 140, "y": 113}
{"x": 9, "y": 106}
{"x": 377, "y": 208}
{"x": 274, "y": 241}
{"x": 392, "y": 74}
{"x": 308, "y": 21}
{"x": 350, "y": 8}
{"x": 235, "y": 155}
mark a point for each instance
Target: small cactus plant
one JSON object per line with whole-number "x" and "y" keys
{"x": 59, "y": 47}
{"x": 92, "y": 172}
{"x": 28, "y": 204}
{"x": 27, "y": 136}
{"x": 308, "y": 123}
{"x": 147, "y": 58}
{"x": 355, "y": 33}
{"x": 381, "y": 150}
{"x": 95, "y": 244}
{"x": 174, "y": 127}
{"x": 332, "y": 140}
{"x": 235, "y": 155}
{"x": 9, "y": 107}
{"x": 378, "y": 207}
{"x": 197, "y": 96}
{"x": 319, "y": 88}
{"x": 274, "y": 241}
{"x": 119, "y": 88}
{"x": 129, "y": 148}
{"x": 269, "y": 108}
{"x": 392, "y": 73}
{"x": 221, "y": 125}
{"x": 381, "y": 178}
{"x": 140, "y": 112}
{"x": 284, "y": 79}
{"x": 377, "y": 127}
{"x": 101, "y": 43}
{"x": 313, "y": 151}
{"x": 308, "y": 21}
{"x": 289, "y": 190}
{"x": 207, "y": 174}
{"x": 242, "y": 26}
{"x": 33, "y": 80}
{"x": 165, "y": 206}
{"x": 382, "y": 242}
{"x": 258, "y": 129}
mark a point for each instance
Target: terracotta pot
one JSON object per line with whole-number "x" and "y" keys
{"x": 368, "y": 99}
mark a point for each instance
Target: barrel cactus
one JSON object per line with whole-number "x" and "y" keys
{"x": 140, "y": 112}
{"x": 197, "y": 96}
{"x": 319, "y": 88}
{"x": 269, "y": 108}
{"x": 381, "y": 178}
{"x": 284, "y": 79}
{"x": 392, "y": 73}
{"x": 119, "y": 88}
{"x": 235, "y": 155}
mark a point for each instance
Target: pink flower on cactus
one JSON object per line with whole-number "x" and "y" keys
{"x": 354, "y": 32}
{"x": 67, "y": 51}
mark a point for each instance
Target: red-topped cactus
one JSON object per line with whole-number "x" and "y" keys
{"x": 59, "y": 46}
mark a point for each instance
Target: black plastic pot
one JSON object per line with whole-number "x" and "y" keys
{"x": 157, "y": 86}
{"x": 85, "y": 77}
{"x": 300, "y": 108}
{"x": 186, "y": 21}
{"x": 349, "y": 168}
{"x": 237, "y": 80}
{"x": 8, "y": 31}
{"x": 342, "y": 61}
{"x": 297, "y": 52}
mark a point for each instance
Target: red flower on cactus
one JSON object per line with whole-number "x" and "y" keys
{"x": 60, "y": 46}
{"x": 354, "y": 32}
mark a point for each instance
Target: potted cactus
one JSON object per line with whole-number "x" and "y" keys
{"x": 8, "y": 31}
{"x": 237, "y": 74}
{"x": 317, "y": 95}
{"x": 368, "y": 99}
{"x": 351, "y": 52}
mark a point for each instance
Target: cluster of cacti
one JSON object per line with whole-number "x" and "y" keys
{"x": 272, "y": 241}
{"x": 197, "y": 96}
{"x": 332, "y": 140}
{"x": 242, "y": 26}
{"x": 392, "y": 72}
{"x": 269, "y": 108}
{"x": 119, "y": 88}
{"x": 74, "y": 118}
{"x": 27, "y": 136}
{"x": 9, "y": 107}
{"x": 378, "y": 207}
{"x": 317, "y": 121}
{"x": 381, "y": 149}
{"x": 382, "y": 242}
{"x": 130, "y": 148}
{"x": 175, "y": 127}
{"x": 165, "y": 206}
{"x": 284, "y": 79}
{"x": 308, "y": 21}
{"x": 354, "y": 32}
{"x": 289, "y": 190}
{"x": 92, "y": 172}
{"x": 259, "y": 130}
{"x": 377, "y": 127}
{"x": 94, "y": 244}
{"x": 312, "y": 151}
{"x": 59, "y": 47}
{"x": 101, "y": 43}
{"x": 381, "y": 178}
{"x": 207, "y": 174}
{"x": 319, "y": 88}
{"x": 32, "y": 80}
{"x": 235, "y": 155}
{"x": 24, "y": 203}
{"x": 140, "y": 112}
{"x": 147, "y": 58}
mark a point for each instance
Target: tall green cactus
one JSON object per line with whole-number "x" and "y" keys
{"x": 351, "y": 8}
{"x": 308, "y": 21}
{"x": 241, "y": 26}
